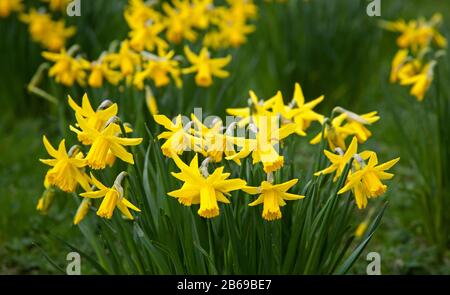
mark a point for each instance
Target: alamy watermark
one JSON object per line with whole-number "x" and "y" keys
{"x": 374, "y": 266}
{"x": 74, "y": 264}
{"x": 74, "y": 8}
{"x": 374, "y": 8}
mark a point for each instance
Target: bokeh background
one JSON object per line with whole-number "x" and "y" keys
{"x": 330, "y": 46}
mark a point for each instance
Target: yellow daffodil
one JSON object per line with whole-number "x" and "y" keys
{"x": 298, "y": 111}
{"x": 67, "y": 70}
{"x": 8, "y": 6}
{"x": 417, "y": 34}
{"x": 179, "y": 21}
{"x": 104, "y": 141}
{"x": 158, "y": 68}
{"x": 95, "y": 119}
{"x": 213, "y": 142}
{"x": 359, "y": 126}
{"x": 67, "y": 168}
{"x": 272, "y": 196}
{"x": 46, "y": 200}
{"x": 147, "y": 37}
{"x": 201, "y": 188}
{"x": 38, "y": 23}
{"x": 126, "y": 59}
{"x": 397, "y": 63}
{"x": 421, "y": 82}
{"x": 205, "y": 66}
{"x": 57, "y": 35}
{"x": 100, "y": 70}
{"x": 82, "y": 210}
{"x": 138, "y": 13}
{"x": 178, "y": 137}
{"x": 335, "y": 133}
{"x": 339, "y": 160}
{"x": 365, "y": 182}
{"x": 262, "y": 148}
{"x": 112, "y": 197}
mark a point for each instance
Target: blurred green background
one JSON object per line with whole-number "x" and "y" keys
{"x": 330, "y": 46}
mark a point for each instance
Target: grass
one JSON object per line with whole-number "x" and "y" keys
{"x": 332, "y": 48}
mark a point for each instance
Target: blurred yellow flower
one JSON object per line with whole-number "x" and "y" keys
{"x": 101, "y": 70}
{"x": 82, "y": 210}
{"x": 421, "y": 82}
{"x": 67, "y": 70}
{"x": 57, "y": 5}
{"x": 205, "y": 66}
{"x": 158, "y": 68}
{"x": 126, "y": 59}
{"x": 8, "y": 6}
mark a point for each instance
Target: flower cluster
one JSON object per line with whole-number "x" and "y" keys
{"x": 259, "y": 130}
{"x": 105, "y": 136}
{"x": 50, "y": 34}
{"x": 148, "y": 54}
{"x": 414, "y": 62}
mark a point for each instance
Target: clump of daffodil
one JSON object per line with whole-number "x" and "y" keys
{"x": 49, "y": 33}
{"x": 67, "y": 69}
{"x": 159, "y": 68}
{"x": 200, "y": 187}
{"x": 420, "y": 45}
{"x": 345, "y": 124}
{"x": 9, "y": 6}
{"x": 113, "y": 197}
{"x": 272, "y": 196}
{"x": 205, "y": 67}
{"x": 364, "y": 179}
{"x": 417, "y": 34}
{"x": 67, "y": 167}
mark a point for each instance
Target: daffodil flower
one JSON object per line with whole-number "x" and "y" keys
{"x": 178, "y": 139}
{"x": 95, "y": 119}
{"x": 201, "y": 188}
{"x": 366, "y": 181}
{"x": 126, "y": 59}
{"x": 106, "y": 141}
{"x": 421, "y": 82}
{"x": 272, "y": 196}
{"x": 158, "y": 68}
{"x": 82, "y": 210}
{"x": 67, "y": 70}
{"x": 112, "y": 197}
{"x": 179, "y": 21}
{"x": 205, "y": 66}
{"x": 67, "y": 168}
{"x": 101, "y": 70}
